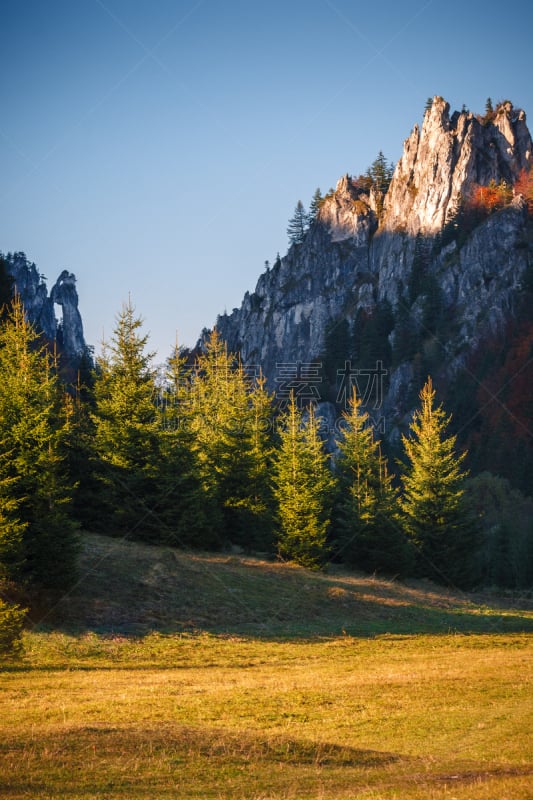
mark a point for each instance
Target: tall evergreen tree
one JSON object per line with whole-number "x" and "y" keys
{"x": 127, "y": 441}
{"x": 303, "y": 489}
{"x": 380, "y": 172}
{"x": 367, "y": 531}
{"x": 446, "y": 539}
{"x": 37, "y": 536}
{"x": 314, "y": 206}
{"x": 186, "y": 511}
{"x": 297, "y": 227}
{"x": 230, "y": 422}
{"x": 80, "y": 446}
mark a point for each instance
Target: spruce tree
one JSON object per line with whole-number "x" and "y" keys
{"x": 445, "y": 537}
{"x": 297, "y": 227}
{"x": 229, "y": 420}
{"x": 303, "y": 489}
{"x": 37, "y": 536}
{"x": 380, "y": 172}
{"x": 314, "y": 206}
{"x": 127, "y": 441}
{"x": 186, "y": 511}
{"x": 367, "y": 530}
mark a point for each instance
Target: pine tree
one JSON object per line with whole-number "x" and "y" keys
{"x": 297, "y": 227}
{"x": 37, "y": 536}
{"x": 127, "y": 441}
{"x": 314, "y": 206}
{"x": 303, "y": 490}
{"x": 445, "y": 538}
{"x": 367, "y": 529}
{"x": 230, "y": 422}
{"x": 380, "y": 172}
{"x": 186, "y": 511}
{"x": 79, "y": 443}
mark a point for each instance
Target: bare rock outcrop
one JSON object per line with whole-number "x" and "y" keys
{"x": 441, "y": 163}
{"x": 365, "y": 252}
{"x": 40, "y": 306}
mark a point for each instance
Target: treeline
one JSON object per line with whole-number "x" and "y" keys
{"x": 201, "y": 458}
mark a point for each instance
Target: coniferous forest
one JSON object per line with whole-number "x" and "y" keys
{"x": 202, "y": 457}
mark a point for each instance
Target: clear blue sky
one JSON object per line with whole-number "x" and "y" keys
{"x": 158, "y": 147}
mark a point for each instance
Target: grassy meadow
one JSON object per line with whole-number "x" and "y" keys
{"x": 166, "y": 674}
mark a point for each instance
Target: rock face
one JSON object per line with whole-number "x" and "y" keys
{"x": 39, "y": 305}
{"x": 365, "y": 251}
{"x": 64, "y": 294}
{"x": 441, "y": 163}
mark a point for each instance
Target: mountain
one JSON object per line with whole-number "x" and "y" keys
{"x": 40, "y": 306}
{"x": 423, "y": 276}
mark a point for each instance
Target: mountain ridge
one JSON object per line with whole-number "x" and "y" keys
{"x": 440, "y": 258}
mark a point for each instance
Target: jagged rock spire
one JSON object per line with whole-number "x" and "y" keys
{"x": 39, "y": 305}
{"x": 441, "y": 162}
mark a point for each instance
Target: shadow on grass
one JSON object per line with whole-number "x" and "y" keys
{"x": 180, "y": 744}
{"x": 130, "y": 589}
{"x": 133, "y": 763}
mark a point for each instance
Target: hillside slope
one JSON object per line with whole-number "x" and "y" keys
{"x": 131, "y": 588}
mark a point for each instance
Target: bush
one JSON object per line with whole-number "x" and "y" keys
{"x": 11, "y": 625}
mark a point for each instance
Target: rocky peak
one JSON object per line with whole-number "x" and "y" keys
{"x": 39, "y": 305}
{"x": 441, "y": 163}
{"x": 349, "y": 212}
{"x": 414, "y": 280}
{"x": 65, "y": 295}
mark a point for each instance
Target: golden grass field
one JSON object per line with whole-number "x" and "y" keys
{"x": 173, "y": 675}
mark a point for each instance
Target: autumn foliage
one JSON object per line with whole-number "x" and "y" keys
{"x": 490, "y": 198}
{"x": 486, "y": 199}
{"x": 524, "y": 186}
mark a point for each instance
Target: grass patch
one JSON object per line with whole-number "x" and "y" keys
{"x": 234, "y": 686}
{"x": 134, "y": 589}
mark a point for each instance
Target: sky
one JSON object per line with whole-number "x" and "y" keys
{"x": 157, "y": 148}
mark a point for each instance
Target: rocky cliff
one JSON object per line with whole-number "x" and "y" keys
{"x": 40, "y": 306}
{"x": 418, "y": 276}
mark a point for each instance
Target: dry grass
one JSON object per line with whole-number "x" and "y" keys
{"x": 238, "y": 693}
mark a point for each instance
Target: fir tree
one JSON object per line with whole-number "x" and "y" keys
{"x": 79, "y": 443}
{"x": 380, "y": 173}
{"x": 445, "y": 538}
{"x": 367, "y": 530}
{"x": 185, "y": 510}
{"x": 297, "y": 227}
{"x": 303, "y": 490}
{"x": 230, "y": 422}
{"x": 314, "y": 206}
{"x": 37, "y": 536}
{"x": 127, "y": 440}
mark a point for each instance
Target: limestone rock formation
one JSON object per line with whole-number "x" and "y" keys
{"x": 441, "y": 163}
{"x": 409, "y": 254}
{"x": 65, "y": 295}
{"x": 40, "y": 306}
